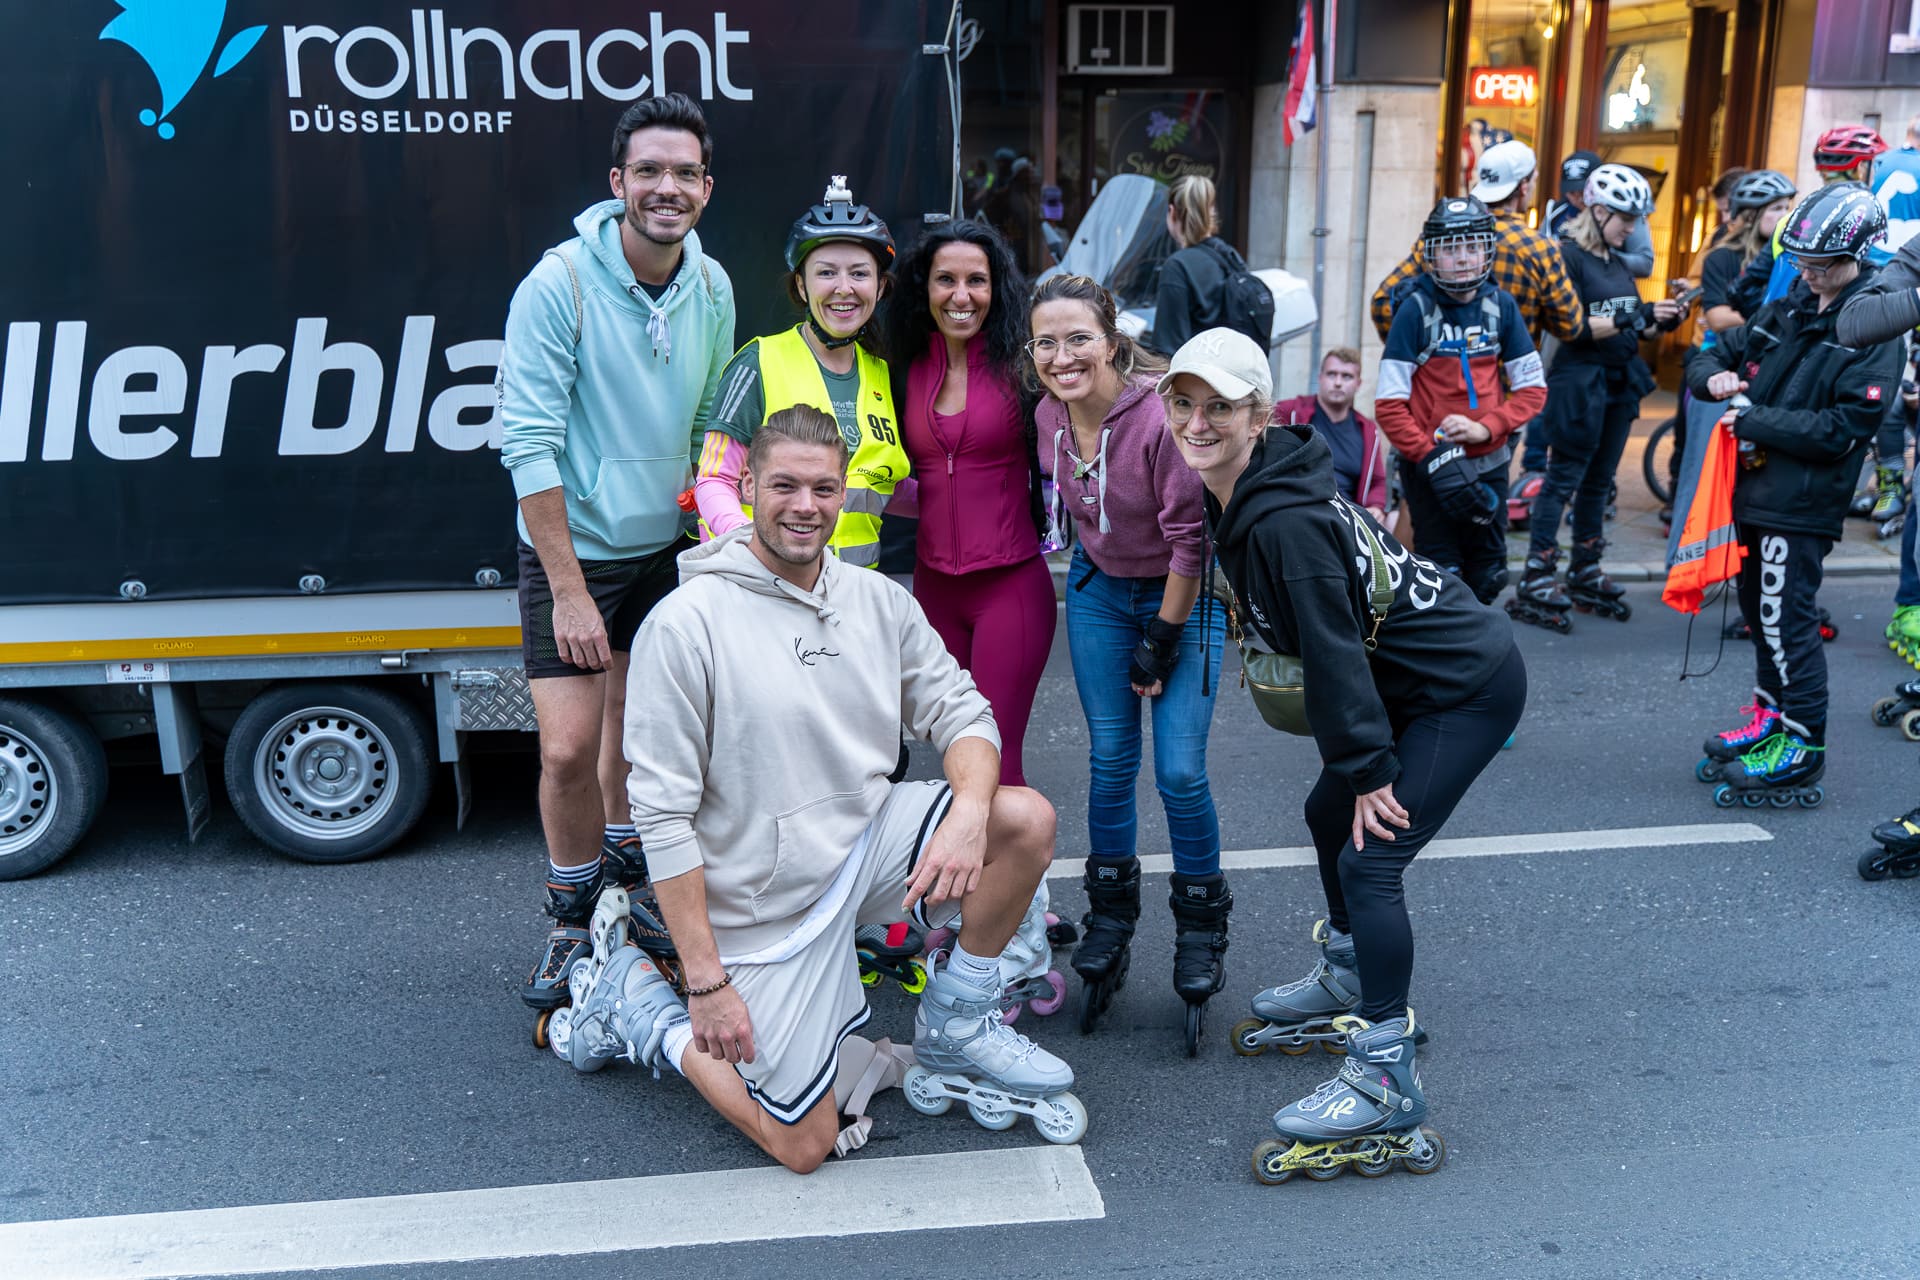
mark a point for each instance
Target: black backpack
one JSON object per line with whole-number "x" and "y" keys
{"x": 1246, "y": 304}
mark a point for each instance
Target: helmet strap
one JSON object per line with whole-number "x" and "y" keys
{"x": 827, "y": 340}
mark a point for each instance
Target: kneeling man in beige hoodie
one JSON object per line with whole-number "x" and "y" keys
{"x": 763, "y": 713}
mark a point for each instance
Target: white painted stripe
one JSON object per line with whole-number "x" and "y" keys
{"x": 1472, "y": 847}
{"x": 855, "y": 1197}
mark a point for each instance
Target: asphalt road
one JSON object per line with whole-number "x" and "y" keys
{"x": 1677, "y": 1061}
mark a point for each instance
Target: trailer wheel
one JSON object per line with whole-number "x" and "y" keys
{"x": 329, "y": 772}
{"x": 53, "y": 780}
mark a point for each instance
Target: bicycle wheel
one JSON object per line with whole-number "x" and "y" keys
{"x": 1657, "y": 464}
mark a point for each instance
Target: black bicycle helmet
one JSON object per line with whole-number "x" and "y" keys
{"x": 1457, "y": 221}
{"x": 1837, "y": 221}
{"x": 1758, "y": 189}
{"x": 838, "y": 218}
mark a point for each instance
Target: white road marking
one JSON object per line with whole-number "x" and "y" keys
{"x": 1472, "y": 847}
{"x": 854, "y": 1197}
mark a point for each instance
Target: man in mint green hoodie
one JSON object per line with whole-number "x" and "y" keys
{"x": 615, "y": 344}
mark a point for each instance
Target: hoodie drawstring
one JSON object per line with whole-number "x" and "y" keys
{"x": 657, "y": 331}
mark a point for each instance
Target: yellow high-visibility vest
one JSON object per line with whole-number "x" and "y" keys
{"x": 790, "y": 375}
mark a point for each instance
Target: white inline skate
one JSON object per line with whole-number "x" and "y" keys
{"x": 1028, "y": 979}
{"x": 622, "y": 1005}
{"x": 965, "y": 1052}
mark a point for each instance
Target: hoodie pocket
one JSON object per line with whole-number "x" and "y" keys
{"x": 633, "y": 505}
{"x": 809, "y": 849}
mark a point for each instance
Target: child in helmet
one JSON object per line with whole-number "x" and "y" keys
{"x": 1458, "y": 375}
{"x": 1808, "y": 407}
{"x": 838, "y": 255}
{"x": 1593, "y": 395}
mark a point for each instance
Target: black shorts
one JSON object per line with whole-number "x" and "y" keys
{"x": 624, "y": 590}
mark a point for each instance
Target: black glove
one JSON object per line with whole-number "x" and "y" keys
{"x": 1156, "y": 654}
{"x": 1635, "y": 318}
{"x": 1456, "y": 484}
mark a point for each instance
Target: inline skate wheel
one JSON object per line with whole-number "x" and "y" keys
{"x": 1376, "y": 1163}
{"x": 1011, "y": 1014}
{"x": 922, "y": 1094}
{"x": 1435, "y": 1156}
{"x": 869, "y": 977}
{"x": 992, "y": 1115}
{"x": 1811, "y": 799}
{"x": 916, "y": 979}
{"x": 1060, "y": 933}
{"x": 1090, "y": 1006}
{"x": 1047, "y": 1006}
{"x": 1246, "y": 1037}
{"x": 1196, "y": 1021}
{"x": 1062, "y": 1120}
{"x": 1269, "y": 1165}
{"x": 1753, "y": 799}
{"x": 1875, "y": 864}
{"x": 540, "y": 1040}
{"x": 1327, "y": 1170}
{"x": 1708, "y": 770}
{"x": 1294, "y": 1048}
{"x": 1723, "y": 797}
{"x": 1910, "y": 726}
{"x": 1781, "y": 800}
{"x": 1885, "y": 712}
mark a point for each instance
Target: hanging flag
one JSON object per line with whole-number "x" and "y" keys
{"x": 1303, "y": 93}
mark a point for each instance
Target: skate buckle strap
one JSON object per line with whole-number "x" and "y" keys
{"x": 866, "y": 1067}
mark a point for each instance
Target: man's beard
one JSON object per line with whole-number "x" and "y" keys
{"x": 770, "y": 536}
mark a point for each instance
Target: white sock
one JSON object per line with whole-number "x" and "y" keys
{"x": 973, "y": 970}
{"x": 676, "y": 1042}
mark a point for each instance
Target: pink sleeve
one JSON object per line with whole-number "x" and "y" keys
{"x": 905, "y": 501}
{"x": 1373, "y": 485}
{"x": 1182, "y": 511}
{"x": 716, "y": 485}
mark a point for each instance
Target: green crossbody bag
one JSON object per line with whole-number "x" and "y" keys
{"x": 1278, "y": 681}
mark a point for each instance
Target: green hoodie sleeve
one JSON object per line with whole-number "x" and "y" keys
{"x": 537, "y": 371}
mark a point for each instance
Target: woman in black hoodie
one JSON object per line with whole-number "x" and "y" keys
{"x": 1407, "y": 709}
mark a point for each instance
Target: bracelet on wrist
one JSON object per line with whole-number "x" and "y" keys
{"x": 726, "y": 980}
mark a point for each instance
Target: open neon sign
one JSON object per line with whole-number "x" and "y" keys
{"x": 1503, "y": 87}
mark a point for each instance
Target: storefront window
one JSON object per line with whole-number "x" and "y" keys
{"x": 1504, "y": 82}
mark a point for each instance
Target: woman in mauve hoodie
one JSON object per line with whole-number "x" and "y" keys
{"x": 1139, "y": 630}
{"x": 968, "y": 429}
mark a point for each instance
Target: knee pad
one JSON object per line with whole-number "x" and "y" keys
{"x": 1489, "y": 582}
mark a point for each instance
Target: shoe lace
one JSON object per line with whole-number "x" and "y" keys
{"x": 1760, "y": 721}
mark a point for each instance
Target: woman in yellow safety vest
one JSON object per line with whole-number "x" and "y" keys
{"x": 839, "y": 254}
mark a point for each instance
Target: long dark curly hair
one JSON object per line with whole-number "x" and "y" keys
{"x": 910, "y": 320}
{"x": 910, "y": 327}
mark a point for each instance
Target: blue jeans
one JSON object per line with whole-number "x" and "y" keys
{"x": 1106, "y": 617}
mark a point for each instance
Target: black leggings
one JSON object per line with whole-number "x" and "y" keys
{"x": 1441, "y": 753}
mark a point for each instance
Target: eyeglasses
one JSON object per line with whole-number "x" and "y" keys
{"x": 647, "y": 173}
{"x": 1818, "y": 270}
{"x": 1043, "y": 350}
{"x": 1217, "y": 411}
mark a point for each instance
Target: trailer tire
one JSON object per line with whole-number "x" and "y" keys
{"x": 53, "y": 781}
{"x": 329, "y": 772}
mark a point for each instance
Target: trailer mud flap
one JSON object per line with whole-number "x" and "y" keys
{"x": 176, "y": 717}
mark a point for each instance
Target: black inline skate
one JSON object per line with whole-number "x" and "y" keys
{"x": 570, "y": 943}
{"x": 1899, "y": 851}
{"x": 1101, "y": 959}
{"x": 891, "y": 951}
{"x": 1538, "y": 599}
{"x": 1783, "y": 770}
{"x": 1201, "y": 905}
{"x": 1902, "y": 709}
{"x": 1590, "y": 589}
{"x": 1722, "y": 749}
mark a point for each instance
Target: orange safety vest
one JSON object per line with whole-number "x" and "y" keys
{"x": 1710, "y": 549}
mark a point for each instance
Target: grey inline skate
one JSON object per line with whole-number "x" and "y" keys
{"x": 1538, "y": 599}
{"x": 622, "y": 1006}
{"x": 1368, "y": 1116}
{"x": 1295, "y": 1017}
{"x": 1589, "y": 587}
{"x": 964, "y": 1052}
{"x": 1028, "y": 979}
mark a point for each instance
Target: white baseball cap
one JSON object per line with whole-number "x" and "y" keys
{"x": 1225, "y": 359}
{"x": 1503, "y": 167}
